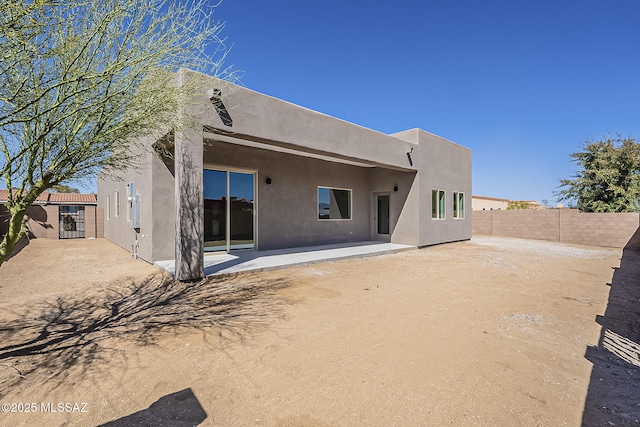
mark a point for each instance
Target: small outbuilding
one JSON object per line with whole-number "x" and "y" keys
{"x": 58, "y": 216}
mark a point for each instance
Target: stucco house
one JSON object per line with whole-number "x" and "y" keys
{"x": 256, "y": 172}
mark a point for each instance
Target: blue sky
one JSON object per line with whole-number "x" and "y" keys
{"x": 521, "y": 83}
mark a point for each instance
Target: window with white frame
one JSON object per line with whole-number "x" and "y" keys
{"x": 116, "y": 201}
{"x": 108, "y": 207}
{"x": 334, "y": 203}
{"x": 458, "y": 205}
{"x": 438, "y": 204}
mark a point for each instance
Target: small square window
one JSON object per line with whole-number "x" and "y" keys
{"x": 334, "y": 203}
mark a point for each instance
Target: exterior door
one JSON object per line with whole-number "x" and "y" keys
{"x": 229, "y": 203}
{"x": 71, "y": 222}
{"x": 382, "y": 215}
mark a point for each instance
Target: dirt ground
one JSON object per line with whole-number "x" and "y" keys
{"x": 501, "y": 332}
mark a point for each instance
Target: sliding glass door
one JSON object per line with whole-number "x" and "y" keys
{"x": 241, "y": 195}
{"x": 215, "y": 210}
{"x": 229, "y": 203}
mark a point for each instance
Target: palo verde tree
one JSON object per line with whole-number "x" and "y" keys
{"x": 607, "y": 177}
{"x": 81, "y": 81}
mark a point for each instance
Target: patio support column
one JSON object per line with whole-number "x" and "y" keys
{"x": 189, "y": 203}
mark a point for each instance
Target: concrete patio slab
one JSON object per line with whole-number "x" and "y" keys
{"x": 250, "y": 260}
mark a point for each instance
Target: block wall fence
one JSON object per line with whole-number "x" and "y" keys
{"x": 615, "y": 230}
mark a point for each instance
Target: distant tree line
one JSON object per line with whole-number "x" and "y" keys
{"x": 61, "y": 188}
{"x": 520, "y": 204}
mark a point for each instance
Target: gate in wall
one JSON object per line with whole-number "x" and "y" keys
{"x": 71, "y": 222}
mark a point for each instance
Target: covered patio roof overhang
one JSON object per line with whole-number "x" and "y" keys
{"x": 222, "y": 135}
{"x": 212, "y": 134}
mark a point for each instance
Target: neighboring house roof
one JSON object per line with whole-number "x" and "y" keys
{"x": 71, "y": 198}
{"x": 495, "y": 199}
{"x": 42, "y": 198}
{"x": 59, "y": 198}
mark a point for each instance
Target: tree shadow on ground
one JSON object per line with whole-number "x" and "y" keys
{"x": 612, "y": 398}
{"x": 71, "y": 333}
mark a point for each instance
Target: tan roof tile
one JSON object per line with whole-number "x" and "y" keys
{"x": 71, "y": 198}
{"x": 58, "y": 198}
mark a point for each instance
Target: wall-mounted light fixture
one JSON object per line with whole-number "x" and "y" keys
{"x": 268, "y": 181}
{"x": 395, "y": 187}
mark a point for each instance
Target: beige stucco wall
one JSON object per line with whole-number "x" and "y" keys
{"x": 262, "y": 118}
{"x": 442, "y": 165}
{"x": 286, "y": 213}
{"x": 116, "y": 227}
{"x": 286, "y": 209}
{"x": 486, "y": 204}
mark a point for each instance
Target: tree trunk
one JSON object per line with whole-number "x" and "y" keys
{"x": 14, "y": 234}
{"x": 18, "y": 207}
